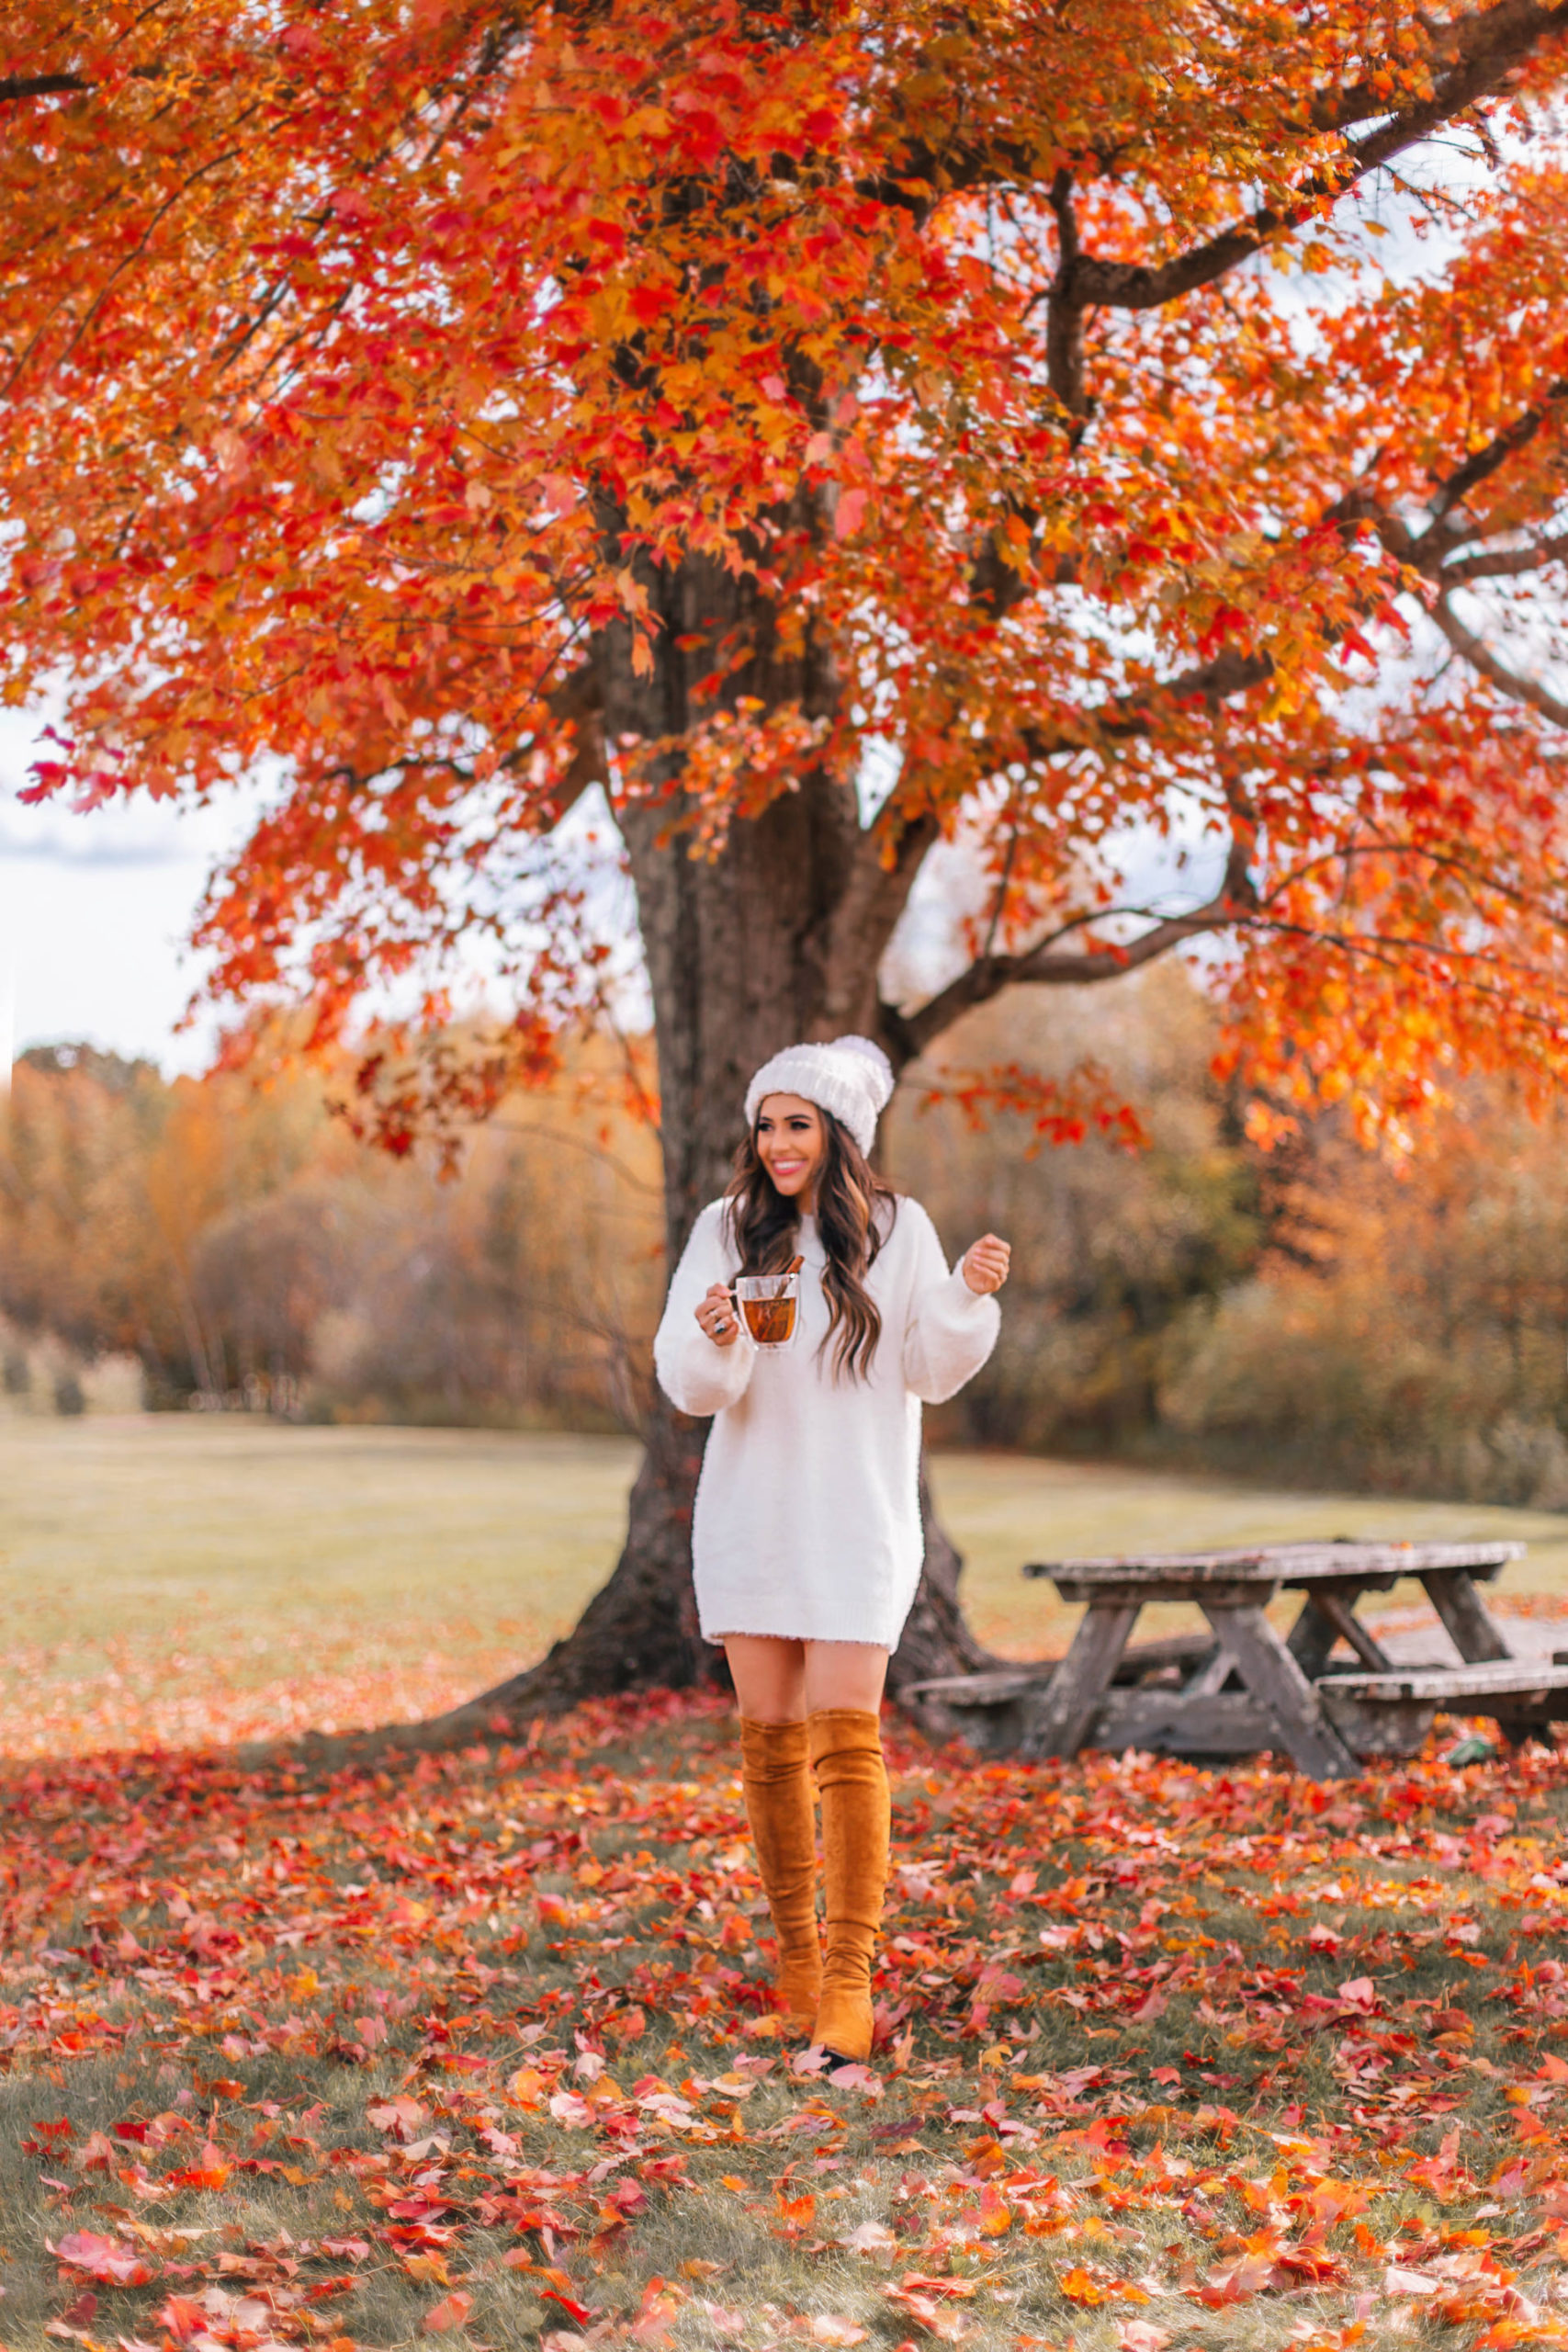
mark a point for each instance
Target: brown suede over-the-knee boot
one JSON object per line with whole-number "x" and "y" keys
{"x": 846, "y": 1754}
{"x": 775, "y": 1773}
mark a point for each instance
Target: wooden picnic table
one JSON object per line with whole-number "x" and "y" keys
{"x": 1244, "y": 1687}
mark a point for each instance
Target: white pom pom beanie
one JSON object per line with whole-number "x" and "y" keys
{"x": 851, "y": 1077}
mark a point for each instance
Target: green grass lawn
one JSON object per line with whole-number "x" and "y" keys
{"x": 480, "y": 2047}
{"x": 150, "y": 1561}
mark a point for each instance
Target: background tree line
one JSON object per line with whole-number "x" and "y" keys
{"x": 1310, "y": 1314}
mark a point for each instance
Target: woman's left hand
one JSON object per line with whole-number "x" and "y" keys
{"x": 986, "y": 1265}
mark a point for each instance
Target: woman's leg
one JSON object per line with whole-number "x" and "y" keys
{"x": 843, "y": 1674}
{"x": 775, "y": 1772}
{"x": 843, "y": 1685}
{"x": 769, "y": 1675}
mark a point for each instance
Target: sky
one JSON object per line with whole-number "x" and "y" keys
{"x": 94, "y": 911}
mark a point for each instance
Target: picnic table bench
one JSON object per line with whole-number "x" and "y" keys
{"x": 1243, "y": 1685}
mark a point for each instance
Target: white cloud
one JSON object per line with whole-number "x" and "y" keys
{"x": 94, "y": 913}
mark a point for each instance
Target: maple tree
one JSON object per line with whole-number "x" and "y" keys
{"x": 832, "y": 434}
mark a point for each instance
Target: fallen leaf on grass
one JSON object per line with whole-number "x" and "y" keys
{"x": 1234, "y": 2282}
{"x": 429, "y": 2269}
{"x": 451, "y": 2311}
{"x": 657, "y": 2314}
{"x": 728, "y": 2323}
{"x": 105, "y": 2259}
{"x": 573, "y": 2311}
{"x": 921, "y": 2299}
{"x": 210, "y": 2171}
{"x": 858, "y": 2078}
{"x": 827, "y": 2327}
{"x": 1141, "y": 2335}
{"x": 183, "y": 2317}
{"x": 871, "y": 2237}
{"x": 402, "y": 2116}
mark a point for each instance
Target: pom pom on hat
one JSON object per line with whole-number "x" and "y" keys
{"x": 851, "y": 1077}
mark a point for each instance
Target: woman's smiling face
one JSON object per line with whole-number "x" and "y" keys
{"x": 791, "y": 1145}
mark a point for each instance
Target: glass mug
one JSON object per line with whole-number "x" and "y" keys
{"x": 770, "y": 1308}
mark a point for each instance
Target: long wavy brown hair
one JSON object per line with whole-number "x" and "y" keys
{"x": 852, "y": 1219}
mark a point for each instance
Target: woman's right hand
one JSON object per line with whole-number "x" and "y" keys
{"x": 986, "y": 1265}
{"x": 716, "y": 1312}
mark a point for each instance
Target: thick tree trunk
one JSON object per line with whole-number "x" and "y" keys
{"x": 776, "y": 935}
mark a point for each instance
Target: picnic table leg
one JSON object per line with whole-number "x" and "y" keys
{"x": 1311, "y": 1641}
{"x": 1330, "y": 1616}
{"x": 1474, "y": 1630}
{"x": 1062, "y": 1714}
{"x": 1272, "y": 1676}
{"x": 1208, "y": 1680}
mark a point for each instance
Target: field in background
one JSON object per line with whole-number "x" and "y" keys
{"x": 170, "y": 1579}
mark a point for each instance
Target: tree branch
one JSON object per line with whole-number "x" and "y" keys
{"x": 1480, "y": 53}
{"x": 1046, "y": 966}
{"x": 41, "y": 86}
{"x": 1508, "y": 682}
{"x": 1064, "y": 312}
{"x": 13, "y": 87}
{"x": 578, "y": 698}
{"x": 1130, "y": 717}
{"x": 1507, "y": 563}
{"x": 1483, "y": 463}
{"x": 867, "y": 911}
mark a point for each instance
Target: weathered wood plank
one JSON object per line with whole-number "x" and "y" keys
{"x": 1340, "y": 1613}
{"x": 1211, "y": 1678}
{"x": 1471, "y": 1627}
{"x": 994, "y": 1688}
{"x": 1290, "y": 1561}
{"x": 1455, "y": 1686}
{"x": 1272, "y": 1676}
{"x": 1059, "y": 1716}
{"x": 1383, "y": 1728}
{"x": 1182, "y": 1651}
{"x": 1312, "y": 1638}
{"x": 1230, "y": 1723}
{"x": 1095, "y": 1590}
{"x": 996, "y": 1684}
{"x": 994, "y": 1730}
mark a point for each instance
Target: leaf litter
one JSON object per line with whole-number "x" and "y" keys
{"x": 482, "y": 2047}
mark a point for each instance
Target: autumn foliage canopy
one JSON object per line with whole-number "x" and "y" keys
{"x": 1137, "y": 430}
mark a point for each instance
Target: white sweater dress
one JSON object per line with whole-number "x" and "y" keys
{"x": 807, "y": 1520}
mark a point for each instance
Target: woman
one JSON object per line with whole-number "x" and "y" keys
{"x": 806, "y": 1542}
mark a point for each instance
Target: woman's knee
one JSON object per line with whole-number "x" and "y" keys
{"x": 769, "y": 1678}
{"x": 844, "y": 1673}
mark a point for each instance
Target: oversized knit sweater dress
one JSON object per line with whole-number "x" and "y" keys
{"x": 807, "y": 1520}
